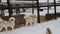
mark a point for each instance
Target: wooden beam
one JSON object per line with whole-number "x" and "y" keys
{"x": 17, "y": 9}
{"x": 26, "y": 0}
{"x": 6, "y": 7}
{"x": 32, "y": 8}
{"x": 48, "y": 6}
{"x": 9, "y": 8}
{"x": 55, "y": 8}
{"x": 2, "y": 11}
{"x": 38, "y": 14}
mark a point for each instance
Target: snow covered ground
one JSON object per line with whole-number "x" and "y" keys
{"x": 54, "y": 25}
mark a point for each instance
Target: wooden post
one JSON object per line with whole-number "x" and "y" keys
{"x": 48, "y": 6}
{"x": 32, "y": 8}
{"x": 17, "y": 10}
{"x": 9, "y": 8}
{"x": 38, "y": 16}
{"x": 2, "y": 11}
{"x": 55, "y": 9}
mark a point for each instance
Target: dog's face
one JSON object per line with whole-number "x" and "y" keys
{"x": 26, "y": 17}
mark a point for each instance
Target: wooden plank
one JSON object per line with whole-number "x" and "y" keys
{"x": 19, "y": 2}
{"x": 5, "y": 7}
{"x": 26, "y": 0}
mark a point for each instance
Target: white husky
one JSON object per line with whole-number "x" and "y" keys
{"x": 30, "y": 19}
{"x": 6, "y": 24}
{"x": 12, "y": 22}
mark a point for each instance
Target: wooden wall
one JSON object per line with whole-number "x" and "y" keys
{"x": 52, "y": 16}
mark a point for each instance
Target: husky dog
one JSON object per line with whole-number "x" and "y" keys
{"x": 48, "y": 31}
{"x": 30, "y": 19}
{"x": 12, "y": 22}
{"x": 6, "y": 24}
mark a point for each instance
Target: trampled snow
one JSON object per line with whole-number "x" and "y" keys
{"x": 54, "y": 26}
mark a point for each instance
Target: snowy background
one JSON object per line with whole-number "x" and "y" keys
{"x": 54, "y": 25}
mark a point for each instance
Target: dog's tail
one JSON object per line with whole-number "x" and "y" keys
{"x": 11, "y": 19}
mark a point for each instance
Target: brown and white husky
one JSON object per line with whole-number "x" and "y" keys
{"x": 32, "y": 19}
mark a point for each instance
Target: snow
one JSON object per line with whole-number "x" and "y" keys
{"x": 54, "y": 25}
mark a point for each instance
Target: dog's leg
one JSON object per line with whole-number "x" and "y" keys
{"x": 26, "y": 23}
{"x": 6, "y": 28}
{"x": 31, "y": 23}
{"x": 12, "y": 28}
{"x": 35, "y": 22}
{"x": 1, "y": 28}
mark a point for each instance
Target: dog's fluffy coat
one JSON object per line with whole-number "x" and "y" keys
{"x": 6, "y": 24}
{"x": 30, "y": 19}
